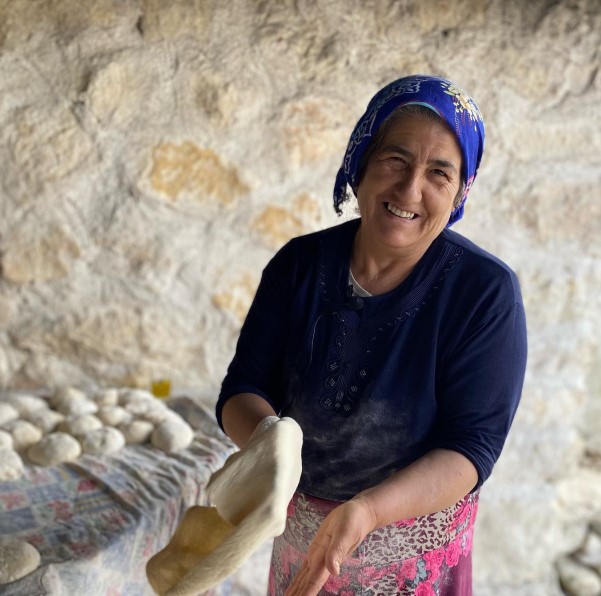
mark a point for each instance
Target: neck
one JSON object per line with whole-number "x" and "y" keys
{"x": 380, "y": 269}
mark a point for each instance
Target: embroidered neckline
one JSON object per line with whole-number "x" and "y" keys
{"x": 342, "y": 386}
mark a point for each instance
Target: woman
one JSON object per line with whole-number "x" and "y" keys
{"x": 399, "y": 347}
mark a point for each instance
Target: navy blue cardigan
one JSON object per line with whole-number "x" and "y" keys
{"x": 438, "y": 362}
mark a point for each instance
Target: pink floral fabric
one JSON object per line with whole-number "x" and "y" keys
{"x": 422, "y": 556}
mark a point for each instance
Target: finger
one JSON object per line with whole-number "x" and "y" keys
{"x": 340, "y": 548}
{"x": 308, "y": 582}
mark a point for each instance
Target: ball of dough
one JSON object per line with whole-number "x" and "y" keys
{"x": 106, "y": 397}
{"x": 128, "y": 396}
{"x": 172, "y": 435}
{"x": 26, "y": 404}
{"x": 103, "y": 441}
{"x": 79, "y": 425}
{"x": 114, "y": 415}
{"x": 77, "y": 407}
{"x": 7, "y": 413}
{"x": 6, "y": 440}
{"x": 158, "y": 416}
{"x": 66, "y": 394}
{"x": 54, "y": 449}
{"x": 137, "y": 431}
{"x": 11, "y": 466}
{"x": 45, "y": 419}
{"x": 153, "y": 410}
{"x": 24, "y": 434}
{"x": 17, "y": 559}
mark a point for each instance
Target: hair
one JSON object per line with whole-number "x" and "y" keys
{"x": 417, "y": 111}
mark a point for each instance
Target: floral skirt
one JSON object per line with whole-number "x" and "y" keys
{"x": 424, "y": 556}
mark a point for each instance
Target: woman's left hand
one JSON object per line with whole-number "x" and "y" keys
{"x": 338, "y": 536}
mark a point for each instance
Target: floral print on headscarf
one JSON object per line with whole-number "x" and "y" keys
{"x": 451, "y": 103}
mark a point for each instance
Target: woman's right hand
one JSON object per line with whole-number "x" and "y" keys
{"x": 338, "y": 536}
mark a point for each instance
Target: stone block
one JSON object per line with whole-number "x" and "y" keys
{"x": 38, "y": 252}
{"x": 186, "y": 170}
{"x": 176, "y": 19}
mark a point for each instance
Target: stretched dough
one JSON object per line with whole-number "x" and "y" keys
{"x": 17, "y": 559}
{"x": 251, "y": 492}
{"x": 200, "y": 532}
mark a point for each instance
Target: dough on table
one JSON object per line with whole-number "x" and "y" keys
{"x": 77, "y": 407}
{"x": 6, "y": 440}
{"x": 24, "y": 433}
{"x": 78, "y": 425}
{"x": 114, "y": 415}
{"x": 104, "y": 441}
{"x": 251, "y": 493}
{"x": 137, "y": 431}
{"x": 106, "y": 397}
{"x": 140, "y": 406}
{"x": 17, "y": 559}
{"x": 11, "y": 465}
{"x": 65, "y": 395}
{"x": 45, "y": 419}
{"x": 172, "y": 435}
{"x": 128, "y": 396}
{"x": 7, "y": 413}
{"x": 26, "y": 404}
{"x": 53, "y": 449}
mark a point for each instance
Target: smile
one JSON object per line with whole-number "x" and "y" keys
{"x": 399, "y": 212}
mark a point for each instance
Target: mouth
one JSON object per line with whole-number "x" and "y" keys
{"x": 400, "y": 212}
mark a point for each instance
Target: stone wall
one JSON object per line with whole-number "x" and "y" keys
{"x": 154, "y": 155}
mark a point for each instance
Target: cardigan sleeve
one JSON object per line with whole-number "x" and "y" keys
{"x": 258, "y": 361}
{"x": 479, "y": 388}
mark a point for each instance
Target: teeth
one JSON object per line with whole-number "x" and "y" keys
{"x": 399, "y": 212}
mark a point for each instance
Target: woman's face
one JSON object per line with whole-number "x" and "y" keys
{"x": 407, "y": 192}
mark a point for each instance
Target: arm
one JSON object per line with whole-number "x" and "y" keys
{"x": 241, "y": 414}
{"x": 434, "y": 482}
{"x": 252, "y": 386}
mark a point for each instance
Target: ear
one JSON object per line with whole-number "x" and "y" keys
{"x": 459, "y": 197}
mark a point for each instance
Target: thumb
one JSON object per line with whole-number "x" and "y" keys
{"x": 336, "y": 554}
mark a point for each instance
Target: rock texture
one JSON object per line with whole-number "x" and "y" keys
{"x": 154, "y": 155}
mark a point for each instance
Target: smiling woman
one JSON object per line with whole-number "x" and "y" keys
{"x": 399, "y": 348}
{"x": 406, "y": 197}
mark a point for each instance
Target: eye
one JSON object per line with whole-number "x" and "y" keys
{"x": 395, "y": 159}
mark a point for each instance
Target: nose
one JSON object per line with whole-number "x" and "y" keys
{"x": 408, "y": 187}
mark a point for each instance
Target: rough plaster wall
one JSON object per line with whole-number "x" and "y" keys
{"x": 154, "y": 155}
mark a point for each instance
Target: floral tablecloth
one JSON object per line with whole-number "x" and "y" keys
{"x": 97, "y": 521}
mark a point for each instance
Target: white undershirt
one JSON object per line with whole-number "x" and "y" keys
{"x": 357, "y": 289}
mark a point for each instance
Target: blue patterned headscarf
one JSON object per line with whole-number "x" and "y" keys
{"x": 452, "y": 104}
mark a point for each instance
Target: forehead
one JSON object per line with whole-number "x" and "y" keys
{"x": 414, "y": 133}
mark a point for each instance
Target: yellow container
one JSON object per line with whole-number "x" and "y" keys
{"x": 161, "y": 388}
